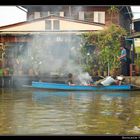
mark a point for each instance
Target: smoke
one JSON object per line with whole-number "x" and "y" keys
{"x": 55, "y": 54}
{"x": 85, "y": 78}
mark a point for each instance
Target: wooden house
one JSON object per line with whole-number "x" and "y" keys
{"x": 60, "y": 24}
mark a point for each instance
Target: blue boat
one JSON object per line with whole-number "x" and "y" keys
{"x": 55, "y": 86}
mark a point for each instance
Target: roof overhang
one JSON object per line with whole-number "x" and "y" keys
{"x": 3, "y": 33}
{"x": 136, "y": 35}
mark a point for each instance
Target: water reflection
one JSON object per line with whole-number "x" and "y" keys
{"x": 51, "y": 112}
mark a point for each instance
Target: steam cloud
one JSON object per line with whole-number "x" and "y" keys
{"x": 57, "y": 54}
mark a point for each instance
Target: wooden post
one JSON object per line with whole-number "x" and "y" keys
{"x": 132, "y": 71}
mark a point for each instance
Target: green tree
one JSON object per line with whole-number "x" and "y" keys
{"x": 107, "y": 48}
{"x": 113, "y": 10}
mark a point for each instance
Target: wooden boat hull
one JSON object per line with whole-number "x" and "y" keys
{"x": 54, "y": 86}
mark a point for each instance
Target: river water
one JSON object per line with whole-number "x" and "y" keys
{"x": 37, "y": 112}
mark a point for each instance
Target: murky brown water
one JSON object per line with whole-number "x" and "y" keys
{"x": 49, "y": 113}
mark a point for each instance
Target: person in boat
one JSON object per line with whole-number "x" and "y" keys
{"x": 120, "y": 80}
{"x": 70, "y": 79}
{"x": 109, "y": 80}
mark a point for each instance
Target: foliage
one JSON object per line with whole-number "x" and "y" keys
{"x": 112, "y": 11}
{"x": 107, "y": 48}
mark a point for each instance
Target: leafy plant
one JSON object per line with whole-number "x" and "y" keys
{"x": 107, "y": 48}
{"x": 112, "y": 11}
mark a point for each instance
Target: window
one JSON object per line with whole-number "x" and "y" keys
{"x": 61, "y": 14}
{"x": 44, "y": 14}
{"x": 56, "y": 25}
{"x": 89, "y": 16}
{"x": 31, "y": 16}
{"x": 48, "y": 25}
{"x": 99, "y": 17}
{"x": 81, "y": 15}
{"x": 36, "y": 15}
